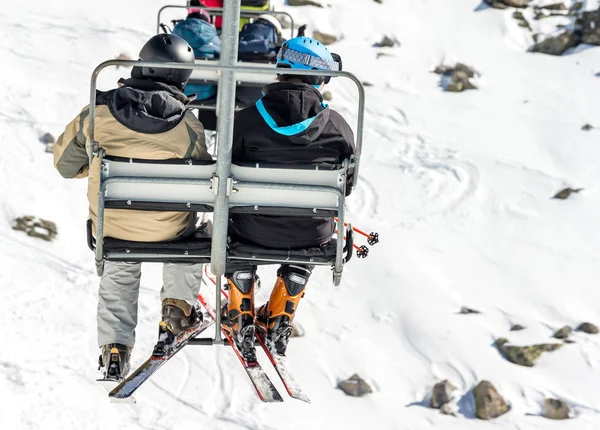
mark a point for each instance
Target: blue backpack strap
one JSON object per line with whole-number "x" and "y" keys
{"x": 289, "y": 130}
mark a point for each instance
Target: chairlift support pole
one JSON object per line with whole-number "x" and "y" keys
{"x": 225, "y": 116}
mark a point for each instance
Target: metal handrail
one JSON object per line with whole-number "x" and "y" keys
{"x": 220, "y": 10}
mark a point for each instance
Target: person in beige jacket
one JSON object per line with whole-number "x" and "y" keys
{"x": 145, "y": 118}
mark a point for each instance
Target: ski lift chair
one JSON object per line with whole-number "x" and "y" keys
{"x": 200, "y": 186}
{"x": 188, "y": 186}
{"x": 314, "y": 190}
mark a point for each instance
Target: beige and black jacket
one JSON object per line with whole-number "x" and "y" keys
{"x": 140, "y": 119}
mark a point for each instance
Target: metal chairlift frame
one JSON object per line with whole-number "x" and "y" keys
{"x": 227, "y": 69}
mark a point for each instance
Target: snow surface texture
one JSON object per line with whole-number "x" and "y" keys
{"x": 458, "y": 185}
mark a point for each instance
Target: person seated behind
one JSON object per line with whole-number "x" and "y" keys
{"x": 246, "y": 5}
{"x": 261, "y": 39}
{"x": 259, "y": 42}
{"x": 144, "y": 118}
{"x": 197, "y": 30}
{"x": 202, "y": 36}
{"x": 290, "y": 124}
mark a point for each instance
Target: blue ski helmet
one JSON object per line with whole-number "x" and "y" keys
{"x": 305, "y": 53}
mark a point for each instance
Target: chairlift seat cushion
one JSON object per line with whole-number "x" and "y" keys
{"x": 198, "y": 243}
{"x": 243, "y": 251}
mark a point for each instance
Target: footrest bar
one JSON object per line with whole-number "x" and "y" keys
{"x": 210, "y": 342}
{"x": 207, "y": 342}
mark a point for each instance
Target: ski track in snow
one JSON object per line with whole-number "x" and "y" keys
{"x": 431, "y": 183}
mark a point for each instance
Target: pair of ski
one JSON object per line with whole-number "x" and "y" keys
{"x": 264, "y": 387}
{"x": 262, "y": 384}
{"x": 121, "y": 392}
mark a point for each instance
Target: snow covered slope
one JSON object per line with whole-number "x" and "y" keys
{"x": 458, "y": 185}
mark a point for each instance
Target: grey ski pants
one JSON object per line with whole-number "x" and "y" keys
{"x": 119, "y": 291}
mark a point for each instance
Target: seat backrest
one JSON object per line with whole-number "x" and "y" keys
{"x": 138, "y": 183}
{"x": 277, "y": 186}
{"x": 185, "y": 184}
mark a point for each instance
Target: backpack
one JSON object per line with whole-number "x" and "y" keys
{"x": 259, "y": 41}
{"x": 202, "y": 37}
{"x": 204, "y": 40}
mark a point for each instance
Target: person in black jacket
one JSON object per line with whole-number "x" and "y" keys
{"x": 290, "y": 124}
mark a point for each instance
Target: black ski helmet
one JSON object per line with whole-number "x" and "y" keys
{"x": 168, "y": 48}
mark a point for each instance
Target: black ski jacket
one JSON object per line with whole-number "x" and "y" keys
{"x": 289, "y": 125}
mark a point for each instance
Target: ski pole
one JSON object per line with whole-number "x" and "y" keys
{"x": 361, "y": 251}
{"x": 372, "y": 238}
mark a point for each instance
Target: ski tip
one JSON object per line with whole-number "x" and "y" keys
{"x": 302, "y": 397}
{"x": 120, "y": 395}
{"x": 268, "y": 394}
{"x": 115, "y": 394}
{"x": 110, "y": 385}
{"x": 120, "y": 398}
{"x": 126, "y": 400}
{"x": 274, "y": 399}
